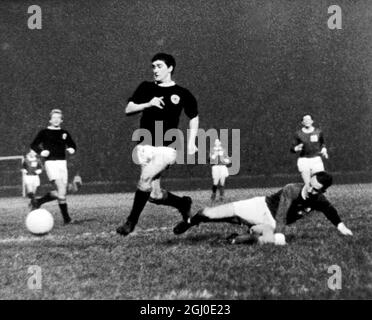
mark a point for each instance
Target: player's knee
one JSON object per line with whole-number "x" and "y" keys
{"x": 144, "y": 186}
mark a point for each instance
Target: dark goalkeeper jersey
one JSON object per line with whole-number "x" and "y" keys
{"x": 176, "y": 99}
{"x": 313, "y": 142}
{"x": 56, "y": 141}
{"x": 287, "y": 205}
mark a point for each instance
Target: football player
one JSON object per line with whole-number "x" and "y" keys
{"x": 161, "y": 102}
{"x": 309, "y": 143}
{"x": 267, "y": 217}
{"x": 31, "y": 169}
{"x": 219, "y": 162}
{"x": 51, "y": 144}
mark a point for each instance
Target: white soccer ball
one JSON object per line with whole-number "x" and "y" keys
{"x": 39, "y": 222}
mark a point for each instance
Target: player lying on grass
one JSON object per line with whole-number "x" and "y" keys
{"x": 52, "y": 143}
{"x": 268, "y": 216}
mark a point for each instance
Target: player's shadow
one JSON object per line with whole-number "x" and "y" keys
{"x": 83, "y": 221}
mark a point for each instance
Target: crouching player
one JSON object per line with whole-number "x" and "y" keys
{"x": 52, "y": 143}
{"x": 31, "y": 169}
{"x": 219, "y": 162}
{"x": 268, "y": 216}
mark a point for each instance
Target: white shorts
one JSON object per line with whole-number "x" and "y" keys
{"x": 31, "y": 181}
{"x": 254, "y": 211}
{"x": 145, "y": 154}
{"x": 219, "y": 171}
{"x": 153, "y": 161}
{"x": 56, "y": 169}
{"x": 310, "y": 164}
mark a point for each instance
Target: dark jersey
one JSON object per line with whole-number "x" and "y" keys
{"x": 312, "y": 143}
{"x": 287, "y": 205}
{"x": 175, "y": 100}
{"x": 31, "y": 166}
{"x": 56, "y": 141}
{"x": 219, "y": 159}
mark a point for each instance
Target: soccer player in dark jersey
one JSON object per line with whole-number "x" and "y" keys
{"x": 51, "y": 144}
{"x": 31, "y": 169}
{"x": 309, "y": 143}
{"x": 219, "y": 162}
{"x": 267, "y": 217}
{"x": 161, "y": 103}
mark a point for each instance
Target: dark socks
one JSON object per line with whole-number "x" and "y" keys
{"x": 46, "y": 198}
{"x": 140, "y": 199}
{"x": 170, "y": 199}
{"x": 64, "y": 212}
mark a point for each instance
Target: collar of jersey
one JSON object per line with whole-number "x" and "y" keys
{"x": 308, "y": 131}
{"x": 165, "y": 85}
{"x": 52, "y": 128}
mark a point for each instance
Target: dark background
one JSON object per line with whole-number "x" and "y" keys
{"x": 256, "y": 66}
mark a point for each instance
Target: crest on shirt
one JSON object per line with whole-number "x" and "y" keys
{"x": 314, "y": 138}
{"x": 175, "y": 99}
{"x": 64, "y": 136}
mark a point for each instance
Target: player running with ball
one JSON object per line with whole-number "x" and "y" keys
{"x": 268, "y": 216}
{"x": 51, "y": 144}
{"x": 161, "y": 103}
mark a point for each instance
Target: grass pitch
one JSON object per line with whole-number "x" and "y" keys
{"x": 89, "y": 261}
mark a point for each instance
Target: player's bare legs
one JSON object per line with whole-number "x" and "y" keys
{"x": 149, "y": 189}
{"x": 222, "y": 213}
{"x": 306, "y": 176}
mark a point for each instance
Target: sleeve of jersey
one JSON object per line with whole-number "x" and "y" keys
{"x": 36, "y": 144}
{"x": 296, "y": 141}
{"x": 328, "y": 210}
{"x": 191, "y": 106}
{"x": 140, "y": 94}
{"x": 321, "y": 139}
{"x": 286, "y": 199}
{"x": 70, "y": 142}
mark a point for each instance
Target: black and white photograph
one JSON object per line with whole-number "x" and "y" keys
{"x": 185, "y": 155}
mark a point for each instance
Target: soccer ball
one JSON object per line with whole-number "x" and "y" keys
{"x": 39, "y": 222}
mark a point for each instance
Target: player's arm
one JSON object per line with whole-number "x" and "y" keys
{"x": 37, "y": 142}
{"x": 70, "y": 144}
{"x": 24, "y": 166}
{"x": 193, "y": 132}
{"x": 285, "y": 202}
{"x": 331, "y": 214}
{"x": 323, "y": 149}
{"x": 297, "y": 144}
{"x": 138, "y": 107}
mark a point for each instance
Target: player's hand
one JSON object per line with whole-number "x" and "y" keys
{"x": 38, "y": 171}
{"x": 298, "y": 147}
{"x": 24, "y": 171}
{"x": 45, "y": 153}
{"x": 157, "y": 102}
{"x": 324, "y": 153}
{"x": 279, "y": 239}
{"x": 70, "y": 150}
{"x": 191, "y": 148}
{"x": 344, "y": 231}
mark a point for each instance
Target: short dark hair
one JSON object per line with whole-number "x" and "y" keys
{"x": 58, "y": 111}
{"x": 324, "y": 178}
{"x": 167, "y": 58}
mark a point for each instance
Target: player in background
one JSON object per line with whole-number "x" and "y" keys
{"x": 51, "y": 144}
{"x": 267, "y": 217}
{"x": 161, "y": 102}
{"x": 31, "y": 169}
{"x": 309, "y": 143}
{"x": 219, "y": 162}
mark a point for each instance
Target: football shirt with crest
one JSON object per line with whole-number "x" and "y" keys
{"x": 175, "y": 98}
{"x": 313, "y": 142}
{"x": 56, "y": 141}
